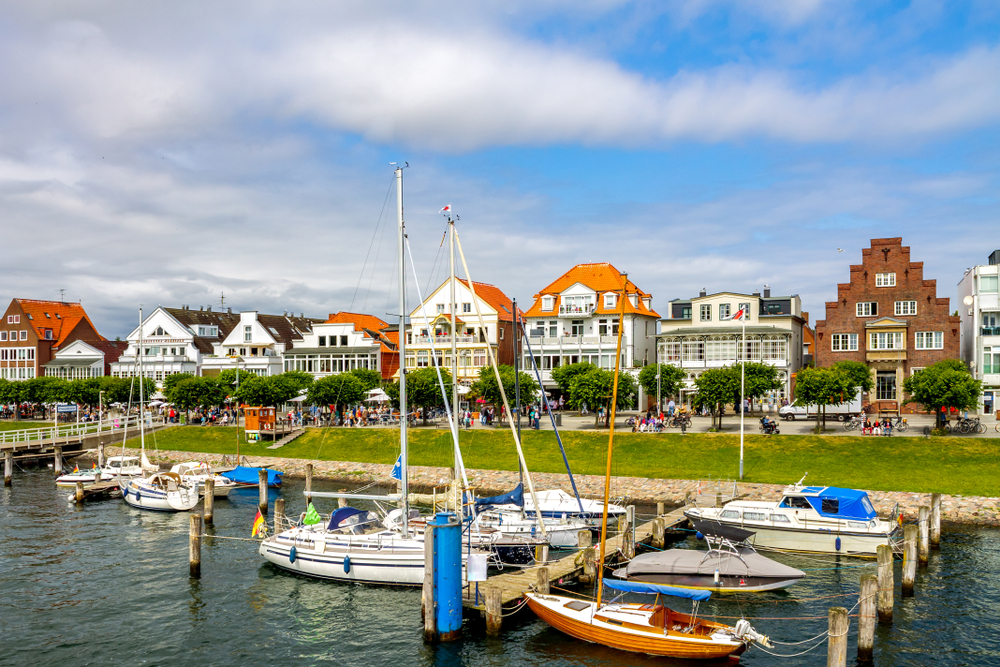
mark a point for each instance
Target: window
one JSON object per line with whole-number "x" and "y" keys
{"x": 609, "y": 300}
{"x": 867, "y": 309}
{"x": 343, "y": 341}
{"x": 988, "y": 284}
{"x": 906, "y": 307}
{"x": 467, "y": 307}
{"x": 754, "y": 516}
{"x": 440, "y": 307}
{"x": 885, "y": 280}
{"x": 13, "y": 319}
{"x": 729, "y": 514}
{"x": 989, "y": 321}
{"x": 24, "y": 335}
{"x": 48, "y": 334}
{"x": 322, "y": 341}
{"x": 774, "y": 348}
{"x": 780, "y": 518}
{"x": 724, "y": 311}
{"x": 553, "y": 329}
{"x": 602, "y": 327}
{"x": 548, "y": 303}
{"x": 634, "y": 299}
{"x": 844, "y": 342}
{"x": 930, "y": 340}
{"x": 886, "y": 340}
{"x": 914, "y": 371}
{"x": 830, "y": 505}
{"x": 247, "y": 333}
{"x": 885, "y": 385}
{"x": 479, "y": 358}
{"x": 501, "y": 332}
{"x": 745, "y": 307}
{"x": 3, "y": 335}
{"x": 720, "y": 350}
{"x": 685, "y": 312}
{"x": 693, "y": 351}
{"x": 706, "y": 313}
{"x": 991, "y": 361}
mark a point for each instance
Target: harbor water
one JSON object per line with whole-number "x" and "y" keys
{"x": 105, "y": 584}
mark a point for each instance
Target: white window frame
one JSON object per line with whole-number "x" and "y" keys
{"x": 863, "y": 309}
{"x": 609, "y": 300}
{"x": 993, "y": 279}
{"x": 705, "y": 312}
{"x": 886, "y": 340}
{"x": 936, "y": 339}
{"x": 3, "y": 336}
{"x": 725, "y": 311}
{"x": 885, "y": 280}
{"x": 24, "y": 334}
{"x": 906, "y": 308}
{"x": 548, "y": 303}
{"x": 844, "y": 342}
{"x": 467, "y": 307}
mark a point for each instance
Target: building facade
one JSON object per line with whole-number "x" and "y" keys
{"x": 700, "y": 334}
{"x": 32, "y": 331}
{"x": 346, "y": 341}
{"x": 979, "y": 310}
{"x": 82, "y": 360}
{"x": 576, "y": 318}
{"x": 890, "y": 318}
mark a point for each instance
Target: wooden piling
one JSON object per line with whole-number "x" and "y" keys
{"x": 836, "y": 651}
{"x": 194, "y": 546}
{"x": 542, "y": 585}
{"x": 208, "y": 503}
{"x": 658, "y": 533}
{"x": 309, "y": 483}
{"x": 935, "y": 520}
{"x": 79, "y": 493}
{"x": 584, "y": 539}
{"x": 100, "y": 454}
{"x": 342, "y": 502}
{"x": 909, "y": 559}
{"x": 8, "y": 467}
{"x": 429, "y": 606}
{"x": 628, "y": 537}
{"x": 886, "y": 583}
{"x": 57, "y": 463}
{"x": 924, "y": 542}
{"x": 589, "y": 566}
{"x": 542, "y": 553}
{"x": 262, "y": 487}
{"x": 279, "y": 514}
{"x": 718, "y": 499}
{"x": 494, "y": 610}
{"x": 661, "y": 508}
{"x": 867, "y": 618}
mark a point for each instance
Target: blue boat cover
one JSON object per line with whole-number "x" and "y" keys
{"x": 246, "y": 475}
{"x": 515, "y": 497}
{"x": 341, "y": 515}
{"x": 838, "y": 503}
{"x": 656, "y": 589}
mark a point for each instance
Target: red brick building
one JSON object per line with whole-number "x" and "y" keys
{"x": 31, "y": 331}
{"x": 890, "y": 318}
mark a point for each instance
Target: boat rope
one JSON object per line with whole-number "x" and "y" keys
{"x": 789, "y": 655}
{"x": 516, "y": 608}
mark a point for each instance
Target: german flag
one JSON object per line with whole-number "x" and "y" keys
{"x": 259, "y": 526}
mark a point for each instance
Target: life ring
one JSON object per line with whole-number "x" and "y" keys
{"x": 292, "y": 555}
{"x": 347, "y": 564}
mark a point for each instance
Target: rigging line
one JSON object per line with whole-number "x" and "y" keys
{"x": 378, "y": 250}
{"x": 362, "y": 274}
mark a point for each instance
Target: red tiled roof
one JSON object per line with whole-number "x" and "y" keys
{"x": 601, "y": 277}
{"x": 359, "y": 320}
{"x": 494, "y": 296}
{"x": 60, "y": 316}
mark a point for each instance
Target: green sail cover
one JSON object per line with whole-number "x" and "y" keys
{"x": 312, "y": 516}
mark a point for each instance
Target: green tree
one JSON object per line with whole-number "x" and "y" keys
{"x": 192, "y": 393}
{"x": 859, "y": 377}
{"x": 821, "y": 387}
{"x": 759, "y": 380}
{"x": 370, "y": 379}
{"x": 343, "y": 389}
{"x": 298, "y": 379}
{"x": 44, "y": 390}
{"x": 422, "y": 389}
{"x": 170, "y": 383}
{"x": 670, "y": 379}
{"x": 595, "y": 388}
{"x": 563, "y": 376}
{"x": 10, "y": 394}
{"x": 717, "y": 386}
{"x": 946, "y": 384}
{"x": 84, "y": 391}
{"x": 486, "y": 385}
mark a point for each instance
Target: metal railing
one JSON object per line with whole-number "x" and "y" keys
{"x": 74, "y": 430}
{"x": 989, "y": 331}
{"x": 576, "y": 310}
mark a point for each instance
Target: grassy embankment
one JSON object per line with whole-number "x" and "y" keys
{"x": 17, "y": 426}
{"x": 960, "y": 466}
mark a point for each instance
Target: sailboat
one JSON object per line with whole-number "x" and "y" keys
{"x": 162, "y": 491}
{"x": 640, "y": 628}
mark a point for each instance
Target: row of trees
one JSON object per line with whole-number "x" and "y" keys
{"x": 47, "y": 390}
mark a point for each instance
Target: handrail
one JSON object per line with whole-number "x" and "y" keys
{"x": 71, "y": 430}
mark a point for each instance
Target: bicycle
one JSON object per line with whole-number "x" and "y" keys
{"x": 900, "y": 424}
{"x": 854, "y": 424}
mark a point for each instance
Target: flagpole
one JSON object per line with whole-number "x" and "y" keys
{"x": 743, "y": 371}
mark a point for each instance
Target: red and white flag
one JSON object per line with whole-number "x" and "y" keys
{"x": 739, "y": 315}
{"x": 446, "y": 209}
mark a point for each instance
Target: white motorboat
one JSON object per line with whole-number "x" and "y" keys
{"x": 115, "y": 467}
{"x": 163, "y": 492}
{"x": 198, "y": 472}
{"x": 562, "y": 533}
{"x": 558, "y": 504}
{"x": 811, "y": 519}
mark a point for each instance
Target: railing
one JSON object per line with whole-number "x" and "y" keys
{"x": 442, "y": 340}
{"x": 989, "y": 331}
{"x": 576, "y": 310}
{"x": 72, "y": 431}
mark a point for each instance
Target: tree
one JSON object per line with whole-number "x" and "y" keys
{"x": 858, "y": 375}
{"x": 670, "y": 379}
{"x": 10, "y": 394}
{"x": 197, "y": 392}
{"x": 43, "y": 390}
{"x": 170, "y": 383}
{"x": 422, "y": 389}
{"x": 486, "y": 385}
{"x": 85, "y": 391}
{"x": 822, "y": 387}
{"x": 298, "y": 379}
{"x": 370, "y": 379}
{"x": 759, "y": 379}
{"x": 563, "y": 376}
{"x": 595, "y": 388}
{"x": 335, "y": 390}
{"x": 716, "y": 387}
{"x": 946, "y": 384}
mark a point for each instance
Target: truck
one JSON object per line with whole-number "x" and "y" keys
{"x": 841, "y": 412}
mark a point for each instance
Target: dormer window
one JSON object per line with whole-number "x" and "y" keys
{"x": 609, "y": 300}
{"x": 159, "y": 332}
{"x": 48, "y": 334}
{"x": 247, "y": 333}
{"x": 548, "y": 303}
{"x": 634, "y": 299}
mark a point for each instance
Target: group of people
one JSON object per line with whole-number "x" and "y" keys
{"x": 877, "y": 427}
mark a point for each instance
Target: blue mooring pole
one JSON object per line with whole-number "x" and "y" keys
{"x": 447, "y": 576}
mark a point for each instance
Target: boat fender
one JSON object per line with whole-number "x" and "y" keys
{"x": 837, "y": 544}
{"x": 292, "y": 555}
{"x": 716, "y": 576}
{"x": 699, "y": 536}
{"x": 138, "y": 496}
{"x": 347, "y": 564}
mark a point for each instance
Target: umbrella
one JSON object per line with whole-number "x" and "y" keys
{"x": 462, "y": 389}
{"x": 377, "y": 395}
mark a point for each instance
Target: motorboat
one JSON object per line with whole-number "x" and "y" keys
{"x": 556, "y": 503}
{"x": 504, "y": 548}
{"x": 198, "y": 472}
{"x": 729, "y": 566}
{"x": 162, "y": 491}
{"x": 561, "y": 533}
{"x": 115, "y": 467}
{"x": 810, "y": 519}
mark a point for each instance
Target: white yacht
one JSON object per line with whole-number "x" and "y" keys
{"x": 198, "y": 472}
{"x": 562, "y": 533}
{"x": 814, "y": 519}
{"x": 163, "y": 491}
{"x": 123, "y": 466}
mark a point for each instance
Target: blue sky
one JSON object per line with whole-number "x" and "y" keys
{"x": 164, "y": 154}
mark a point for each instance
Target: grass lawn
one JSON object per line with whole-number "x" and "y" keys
{"x": 954, "y": 465}
{"x": 17, "y": 426}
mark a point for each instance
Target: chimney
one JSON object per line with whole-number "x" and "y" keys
{"x": 703, "y": 292}
{"x": 302, "y": 315}
{"x": 756, "y": 293}
{"x": 767, "y": 291}
{"x": 201, "y": 308}
{"x": 208, "y": 309}
{"x": 229, "y": 310}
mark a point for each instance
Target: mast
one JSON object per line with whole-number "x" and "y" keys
{"x": 611, "y": 443}
{"x": 403, "y": 415}
{"x": 142, "y": 420}
{"x": 517, "y": 392}
{"x": 452, "y": 307}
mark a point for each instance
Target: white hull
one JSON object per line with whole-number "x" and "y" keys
{"x": 817, "y": 541}
{"x": 140, "y": 493}
{"x": 561, "y": 535}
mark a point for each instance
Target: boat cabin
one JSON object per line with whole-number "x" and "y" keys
{"x": 830, "y": 502}
{"x": 260, "y": 421}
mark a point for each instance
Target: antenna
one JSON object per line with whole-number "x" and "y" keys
{"x": 222, "y": 301}
{"x": 62, "y": 296}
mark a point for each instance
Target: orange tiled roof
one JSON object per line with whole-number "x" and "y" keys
{"x": 601, "y": 277}
{"x": 494, "y": 296}
{"x": 60, "y": 316}
{"x": 359, "y": 320}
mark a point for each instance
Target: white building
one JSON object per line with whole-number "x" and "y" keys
{"x": 698, "y": 335}
{"x": 84, "y": 359}
{"x": 576, "y": 318}
{"x": 344, "y": 342}
{"x": 258, "y": 343}
{"x": 979, "y": 340}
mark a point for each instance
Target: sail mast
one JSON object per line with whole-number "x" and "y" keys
{"x": 142, "y": 421}
{"x": 452, "y": 307}
{"x": 403, "y": 417}
{"x": 611, "y": 442}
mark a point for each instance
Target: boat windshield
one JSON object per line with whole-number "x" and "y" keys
{"x": 354, "y": 522}
{"x": 795, "y": 502}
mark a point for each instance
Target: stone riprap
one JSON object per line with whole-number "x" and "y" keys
{"x": 625, "y": 490}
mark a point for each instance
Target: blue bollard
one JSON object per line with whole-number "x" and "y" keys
{"x": 447, "y": 575}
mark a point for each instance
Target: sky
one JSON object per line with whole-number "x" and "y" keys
{"x": 170, "y": 153}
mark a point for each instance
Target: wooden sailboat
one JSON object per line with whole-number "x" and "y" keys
{"x": 640, "y": 628}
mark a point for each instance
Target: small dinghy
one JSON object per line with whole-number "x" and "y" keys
{"x": 729, "y": 566}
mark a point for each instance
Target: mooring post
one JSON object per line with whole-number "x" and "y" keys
{"x": 209, "y": 501}
{"x": 867, "y": 618}
{"x": 8, "y": 467}
{"x": 628, "y": 538}
{"x": 494, "y": 610}
{"x": 924, "y": 544}
{"x": 309, "y": 483}
{"x": 836, "y": 652}
{"x": 909, "y": 559}
{"x": 262, "y": 487}
{"x": 589, "y": 566}
{"x": 661, "y": 508}
{"x": 100, "y": 454}
{"x": 57, "y": 464}
{"x": 447, "y": 576}
{"x": 79, "y": 493}
{"x": 430, "y": 610}
{"x": 886, "y": 583}
{"x": 194, "y": 547}
{"x": 542, "y": 585}
{"x": 718, "y": 499}
{"x": 935, "y": 521}
{"x": 342, "y": 502}
{"x": 279, "y": 514}
{"x": 584, "y": 539}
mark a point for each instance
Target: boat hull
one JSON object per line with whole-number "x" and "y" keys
{"x": 144, "y": 497}
{"x": 726, "y": 584}
{"x": 605, "y": 627}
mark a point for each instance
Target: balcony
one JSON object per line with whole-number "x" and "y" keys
{"x": 441, "y": 340}
{"x": 570, "y": 340}
{"x": 989, "y": 331}
{"x": 576, "y": 310}
{"x": 886, "y": 355}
